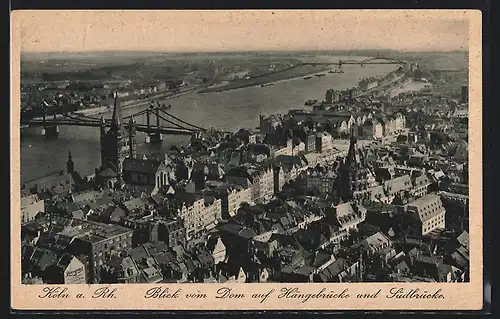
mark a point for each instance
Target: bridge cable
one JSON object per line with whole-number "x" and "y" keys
{"x": 136, "y": 114}
{"x": 183, "y": 122}
{"x": 78, "y": 118}
{"x": 179, "y": 126}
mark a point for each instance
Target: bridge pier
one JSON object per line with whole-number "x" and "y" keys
{"x": 153, "y": 137}
{"x": 49, "y": 130}
{"x": 52, "y": 130}
{"x": 156, "y": 137}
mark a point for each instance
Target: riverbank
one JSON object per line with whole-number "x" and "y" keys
{"x": 227, "y": 111}
{"x": 134, "y": 103}
{"x": 381, "y": 87}
{"x": 275, "y": 77}
{"x": 125, "y": 105}
{"x": 409, "y": 86}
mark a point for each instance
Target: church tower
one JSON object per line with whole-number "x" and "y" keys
{"x": 102, "y": 134}
{"x": 347, "y": 172}
{"x": 70, "y": 165}
{"x": 116, "y": 143}
{"x": 355, "y": 176}
{"x": 131, "y": 137}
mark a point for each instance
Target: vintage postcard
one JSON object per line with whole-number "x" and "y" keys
{"x": 246, "y": 160}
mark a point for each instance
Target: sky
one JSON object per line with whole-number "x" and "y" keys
{"x": 248, "y": 30}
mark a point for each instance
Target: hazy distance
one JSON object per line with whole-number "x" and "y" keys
{"x": 232, "y": 31}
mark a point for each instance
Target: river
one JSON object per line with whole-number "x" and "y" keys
{"x": 229, "y": 110}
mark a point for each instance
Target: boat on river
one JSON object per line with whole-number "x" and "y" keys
{"x": 320, "y": 74}
{"x": 307, "y": 77}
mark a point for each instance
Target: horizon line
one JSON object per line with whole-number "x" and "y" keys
{"x": 248, "y": 51}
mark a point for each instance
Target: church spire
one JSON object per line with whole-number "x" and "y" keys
{"x": 351, "y": 154}
{"x": 70, "y": 165}
{"x": 116, "y": 120}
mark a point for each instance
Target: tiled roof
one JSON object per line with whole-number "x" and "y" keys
{"x": 344, "y": 210}
{"x": 421, "y": 180}
{"x": 427, "y": 206}
{"x": 463, "y": 239}
{"x": 333, "y": 270}
{"x": 289, "y": 160}
{"x": 58, "y": 181}
{"x": 376, "y": 240}
{"x": 141, "y": 166}
{"x": 395, "y": 185}
{"x": 238, "y": 230}
{"x": 107, "y": 173}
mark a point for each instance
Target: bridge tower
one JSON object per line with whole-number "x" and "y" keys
{"x": 154, "y": 134}
{"x": 49, "y": 129}
{"x": 340, "y": 63}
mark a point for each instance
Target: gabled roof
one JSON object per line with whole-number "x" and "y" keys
{"x": 84, "y": 196}
{"x": 374, "y": 242}
{"x": 402, "y": 266}
{"x": 141, "y": 166}
{"x": 138, "y": 253}
{"x": 45, "y": 258}
{"x": 107, "y": 173}
{"x": 238, "y": 230}
{"x": 114, "y": 213}
{"x": 463, "y": 239}
{"x": 50, "y": 181}
{"x": 101, "y": 203}
{"x": 334, "y": 269}
{"x": 135, "y": 203}
{"x": 288, "y": 160}
{"x": 427, "y": 206}
{"x": 398, "y": 184}
{"x": 421, "y": 180}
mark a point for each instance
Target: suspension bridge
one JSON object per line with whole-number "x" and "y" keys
{"x": 372, "y": 60}
{"x": 154, "y": 121}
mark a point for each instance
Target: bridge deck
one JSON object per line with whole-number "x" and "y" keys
{"x": 351, "y": 62}
{"x": 139, "y": 127}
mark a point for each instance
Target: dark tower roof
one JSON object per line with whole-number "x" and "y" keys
{"x": 70, "y": 165}
{"x": 116, "y": 120}
{"x": 351, "y": 154}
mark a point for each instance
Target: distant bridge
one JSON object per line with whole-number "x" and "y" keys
{"x": 372, "y": 60}
{"x": 153, "y": 121}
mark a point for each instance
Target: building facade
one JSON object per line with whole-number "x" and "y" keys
{"x": 428, "y": 212}
{"x": 100, "y": 243}
{"x": 75, "y": 272}
{"x": 31, "y": 206}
